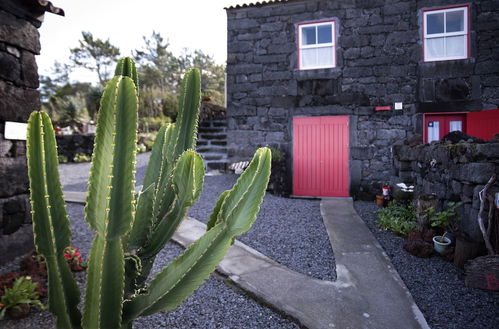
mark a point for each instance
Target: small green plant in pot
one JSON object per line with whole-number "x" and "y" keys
{"x": 446, "y": 221}
{"x": 16, "y": 301}
{"x": 130, "y": 230}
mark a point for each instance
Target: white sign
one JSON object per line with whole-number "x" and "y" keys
{"x": 398, "y": 106}
{"x": 15, "y": 130}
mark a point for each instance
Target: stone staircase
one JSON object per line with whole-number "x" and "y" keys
{"x": 212, "y": 143}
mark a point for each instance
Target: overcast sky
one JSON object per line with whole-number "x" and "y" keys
{"x": 192, "y": 24}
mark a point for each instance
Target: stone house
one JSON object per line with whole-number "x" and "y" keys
{"x": 336, "y": 84}
{"x": 19, "y": 43}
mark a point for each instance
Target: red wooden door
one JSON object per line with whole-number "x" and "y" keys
{"x": 320, "y": 156}
{"x": 439, "y": 125}
{"x": 483, "y": 124}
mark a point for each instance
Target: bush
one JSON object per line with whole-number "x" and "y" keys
{"x": 153, "y": 123}
{"x": 277, "y": 155}
{"x": 82, "y": 157}
{"x": 398, "y": 218}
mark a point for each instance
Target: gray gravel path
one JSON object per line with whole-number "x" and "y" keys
{"x": 290, "y": 231}
{"x": 214, "y": 305}
{"x": 436, "y": 285}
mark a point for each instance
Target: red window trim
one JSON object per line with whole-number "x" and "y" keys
{"x": 335, "y": 27}
{"x": 468, "y": 52}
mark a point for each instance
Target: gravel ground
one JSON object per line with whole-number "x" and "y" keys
{"x": 437, "y": 286}
{"x": 213, "y": 305}
{"x": 289, "y": 231}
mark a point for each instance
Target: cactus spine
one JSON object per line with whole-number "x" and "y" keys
{"x": 130, "y": 230}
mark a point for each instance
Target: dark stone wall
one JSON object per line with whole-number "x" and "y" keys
{"x": 19, "y": 43}
{"x": 453, "y": 172}
{"x": 379, "y": 62}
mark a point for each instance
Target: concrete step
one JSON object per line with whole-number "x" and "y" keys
{"x": 213, "y": 123}
{"x": 214, "y": 156}
{"x": 212, "y": 148}
{"x": 202, "y": 130}
{"x": 219, "y": 142}
{"x": 211, "y": 136}
{"x": 217, "y": 165}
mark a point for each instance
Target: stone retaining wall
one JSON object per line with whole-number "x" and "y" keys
{"x": 19, "y": 43}
{"x": 453, "y": 172}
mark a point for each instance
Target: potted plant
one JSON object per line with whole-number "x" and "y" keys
{"x": 447, "y": 221}
{"x": 16, "y": 301}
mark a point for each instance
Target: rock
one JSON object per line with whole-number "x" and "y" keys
{"x": 419, "y": 248}
{"x": 458, "y": 137}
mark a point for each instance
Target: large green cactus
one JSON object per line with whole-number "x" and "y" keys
{"x": 131, "y": 229}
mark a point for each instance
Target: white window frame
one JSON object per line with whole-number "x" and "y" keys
{"x": 465, "y": 33}
{"x": 332, "y": 44}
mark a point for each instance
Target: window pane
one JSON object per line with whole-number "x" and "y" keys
{"x": 455, "y": 126}
{"x": 455, "y": 46}
{"x": 435, "y": 23}
{"x": 325, "y": 57}
{"x": 308, "y": 57}
{"x": 433, "y": 131}
{"x": 435, "y": 48}
{"x": 455, "y": 21}
{"x": 325, "y": 33}
{"x": 308, "y": 36}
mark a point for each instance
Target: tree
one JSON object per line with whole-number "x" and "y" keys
{"x": 96, "y": 55}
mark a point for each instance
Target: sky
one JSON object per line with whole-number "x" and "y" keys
{"x": 191, "y": 24}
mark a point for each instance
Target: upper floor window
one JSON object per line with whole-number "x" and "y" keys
{"x": 317, "y": 45}
{"x": 445, "y": 33}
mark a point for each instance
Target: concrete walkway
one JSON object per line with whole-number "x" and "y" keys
{"x": 368, "y": 293}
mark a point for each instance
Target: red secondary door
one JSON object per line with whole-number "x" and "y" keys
{"x": 320, "y": 156}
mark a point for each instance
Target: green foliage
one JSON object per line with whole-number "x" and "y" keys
{"x": 397, "y": 217}
{"x": 22, "y": 292}
{"x": 62, "y": 158}
{"x": 81, "y": 157}
{"x": 148, "y": 124}
{"x": 96, "y": 55}
{"x": 277, "y": 155}
{"x": 131, "y": 230}
{"x": 447, "y": 219}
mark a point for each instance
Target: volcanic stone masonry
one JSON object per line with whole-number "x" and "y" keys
{"x": 379, "y": 62}
{"x": 19, "y": 43}
{"x": 453, "y": 172}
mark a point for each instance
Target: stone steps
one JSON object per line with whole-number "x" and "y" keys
{"x": 212, "y": 144}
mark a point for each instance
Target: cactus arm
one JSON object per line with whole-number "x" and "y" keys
{"x": 214, "y": 214}
{"x": 50, "y": 222}
{"x": 102, "y": 158}
{"x": 126, "y": 67}
{"x": 110, "y": 203}
{"x": 183, "y": 135}
{"x": 187, "y": 180}
{"x": 143, "y": 220}
{"x": 185, "y": 274}
{"x": 155, "y": 161}
{"x": 187, "y": 121}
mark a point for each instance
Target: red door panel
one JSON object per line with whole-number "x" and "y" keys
{"x": 320, "y": 156}
{"x": 436, "y": 126}
{"x": 483, "y": 124}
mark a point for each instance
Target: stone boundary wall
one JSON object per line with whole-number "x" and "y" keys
{"x": 453, "y": 172}
{"x": 70, "y": 145}
{"x": 19, "y": 43}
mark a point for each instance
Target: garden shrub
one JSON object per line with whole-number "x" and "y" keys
{"x": 397, "y": 217}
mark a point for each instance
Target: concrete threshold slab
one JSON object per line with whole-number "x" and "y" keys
{"x": 368, "y": 293}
